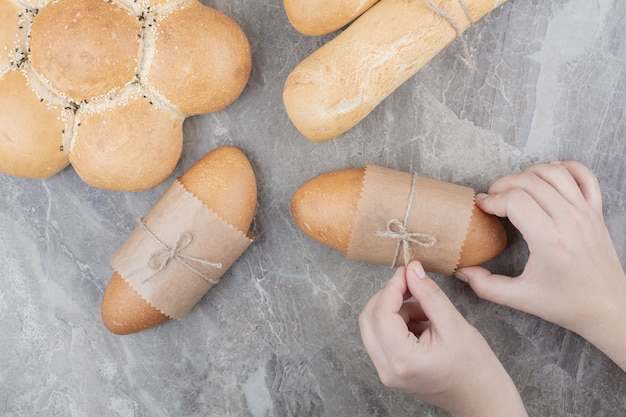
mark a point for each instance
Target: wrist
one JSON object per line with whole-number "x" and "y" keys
{"x": 496, "y": 398}
{"x": 606, "y": 327}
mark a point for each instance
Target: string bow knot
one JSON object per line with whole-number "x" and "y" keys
{"x": 398, "y": 230}
{"x": 159, "y": 260}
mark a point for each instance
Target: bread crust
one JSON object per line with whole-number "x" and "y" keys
{"x": 117, "y": 148}
{"x": 216, "y": 43}
{"x": 9, "y": 16}
{"x": 84, "y": 48}
{"x": 340, "y": 83}
{"x": 31, "y": 132}
{"x": 325, "y": 209}
{"x": 320, "y": 17}
{"x": 225, "y": 182}
{"x": 90, "y": 62}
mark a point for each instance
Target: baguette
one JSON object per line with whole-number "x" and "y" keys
{"x": 339, "y": 84}
{"x": 320, "y": 17}
{"x": 325, "y": 208}
{"x": 223, "y": 180}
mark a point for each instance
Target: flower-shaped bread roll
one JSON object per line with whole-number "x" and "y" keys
{"x": 106, "y": 85}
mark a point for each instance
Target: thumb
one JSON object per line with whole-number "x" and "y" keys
{"x": 434, "y": 302}
{"x": 500, "y": 289}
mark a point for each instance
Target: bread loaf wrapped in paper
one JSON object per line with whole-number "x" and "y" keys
{"x": 182, "y": 247}
{"x": 389, "y": 217}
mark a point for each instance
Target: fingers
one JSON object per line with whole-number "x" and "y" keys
{"x": 549, "y": 186}
{"x": 521, "y": 209}
{"x": 388, "y": 323}
{"x": 533, "y": 199}
{"x": 587, "y": 183}
{"x": 553, "y": 185}
{"x": 381, "y": 324}
{"x": 499, "y": 289}
{"x": 434, "y": 303}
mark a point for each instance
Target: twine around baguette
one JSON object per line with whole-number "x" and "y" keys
{"x": 457, "y": 29}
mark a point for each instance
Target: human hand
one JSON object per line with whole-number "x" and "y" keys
{"x": 573, "y": 276}
{"x": 426, "y": 348}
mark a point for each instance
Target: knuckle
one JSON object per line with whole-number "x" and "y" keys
{"x": 398, "y": 371}
{"x": 518, "y": 195}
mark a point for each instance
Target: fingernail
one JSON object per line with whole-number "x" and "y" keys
{"x": 481, "y": 196}
{"x": 556, "y": 162}
{"x": 418, "y": 270}
{"x": 462, "y": 276}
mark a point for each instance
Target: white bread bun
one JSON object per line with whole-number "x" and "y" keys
{"x": 320, "y": 17}
{"x": 111, "y": 83}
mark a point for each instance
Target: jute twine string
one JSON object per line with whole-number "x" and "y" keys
{"x": 397, "y": 229}
{"x": 456, "y": 27}
{"x": 159, "y": 260}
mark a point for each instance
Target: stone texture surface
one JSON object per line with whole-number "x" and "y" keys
{"x": 279, "y": 335}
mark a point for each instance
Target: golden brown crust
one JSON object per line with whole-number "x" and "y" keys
{"x": 31, "y": 134}
{"x": 91, "y": 61}
{"x": 127, "y": 148}
{"x": 123, "y": 310}
{"x": 325, "y": 209}
{"x": 225, "y": 182}
{"x": 216, "y": 43}
{"x": 325, "y": 206}
{"x": 485, "y": 239}
{"x": 85, "y": 48}
{"x": 8, "y": 30}
{"x": 320, "y": 17}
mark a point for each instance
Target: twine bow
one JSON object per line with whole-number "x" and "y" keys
{"x": 159, "y": 260}
{"x": 398, "y": 230}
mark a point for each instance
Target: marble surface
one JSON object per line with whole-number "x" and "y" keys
{"x": 279, "y": 335}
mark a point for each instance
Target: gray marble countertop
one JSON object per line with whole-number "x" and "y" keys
{"x": 279, "y": 335}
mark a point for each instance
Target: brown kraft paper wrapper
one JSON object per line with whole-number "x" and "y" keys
{"x": 205, "y": 244}
{"x": 437, "y": 218}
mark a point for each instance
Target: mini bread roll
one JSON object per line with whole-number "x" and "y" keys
{"x": 339, "y": 84}
{"x": 85, "y": 48}
{"x": 117, "y": 148}
{"x": 225, "y": 182}
{"x": 31, "y": 134}
{"x": 200, "y": 47}
{"x": 320, "y": 17}
{"x": 325, "y": 208}
{"x": 9, "y": 16}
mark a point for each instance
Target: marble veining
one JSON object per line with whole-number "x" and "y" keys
{"x": 279, "y": 335}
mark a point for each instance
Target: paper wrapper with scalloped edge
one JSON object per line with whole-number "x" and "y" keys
{"x": 179, "y": 251}
{"x": 401, "y": 211}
